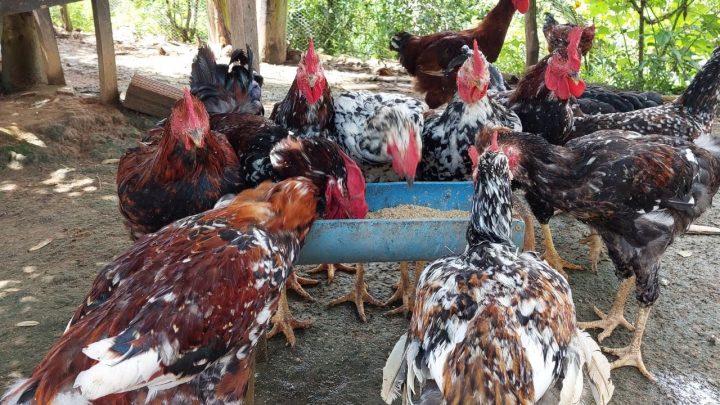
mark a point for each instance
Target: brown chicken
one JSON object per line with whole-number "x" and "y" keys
{"x": 184, "y": 170}
{"x": 426, "y": 57}
{"x": 176, "y": 317}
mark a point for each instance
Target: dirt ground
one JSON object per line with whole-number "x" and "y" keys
{"x": 62, "y": 189}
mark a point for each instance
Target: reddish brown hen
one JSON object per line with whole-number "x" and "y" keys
{"x": 426, "y": 57}
{"x": 184, "y": 170}
{"x": 176, "y": 317}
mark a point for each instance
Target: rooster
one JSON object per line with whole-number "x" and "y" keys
{"x": 689, "y": 116}
{"x": 426, "y": 57}
{"x": 177, "y": 316}
{"x": 381, "y": 132}
{"x": 184, "y": 170}
{"x": 492, "y": 326}
{"x": 227, "y": 88}
{"x": 636, "y": 191}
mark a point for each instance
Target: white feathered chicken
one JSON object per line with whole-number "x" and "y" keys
{"x": 492, "y": 326}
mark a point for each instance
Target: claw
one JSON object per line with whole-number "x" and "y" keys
{"x": 284, "y": 322}
{"x": 594, "y": 242}
{"x": 331, "y": 268}
{"x": 359, "y": 295}
{"x": 616, "y": 316}
{"x": 295, "y": 283}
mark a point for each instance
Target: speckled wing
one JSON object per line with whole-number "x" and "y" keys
{"x": 490, "y": 326}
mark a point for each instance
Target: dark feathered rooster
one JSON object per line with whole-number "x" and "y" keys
{"x": 557, "y": 35}
{"x": 637, "y": 192}
{"x": 689, "y": 116}
{"x": 227, "y": 88}
{"x": 427, "y": 57}
{"x": 492, "y": 326}
{"x": 184, "y": 170}
{"x": 176, "y": 317}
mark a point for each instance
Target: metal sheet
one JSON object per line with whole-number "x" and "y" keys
{"x": 382, "y": 240}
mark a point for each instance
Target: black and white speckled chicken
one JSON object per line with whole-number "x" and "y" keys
{"x": 636, "y": 191}
{"x": 491, "y": 325}
{"x": 176, "y": 317}
{"x": 689, "y": 116}
{"x": 447, "y": 137}
{"x": 235, "y": 87}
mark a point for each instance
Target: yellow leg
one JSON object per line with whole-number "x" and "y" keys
{"x": 632, "y": 355}
{"x": 359, "y": 295}
{"x": 331, "y": 268}
{"x": 608, "y": 322}
{"x": 403, "y": 292}
{"x": 284, "y": 322}
{"x": 595, "y": 243}
{"x": 295, "y": 283}
{"x": 552, "y": 256}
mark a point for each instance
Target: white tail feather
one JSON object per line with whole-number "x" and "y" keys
{"x": 394, "y": 371}
{"x": 595, "y": 366}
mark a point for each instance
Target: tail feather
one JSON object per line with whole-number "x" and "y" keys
{"x": 395, "y": 371}
{"x": 701, "y": 96}
{"x": 590, "y": 362}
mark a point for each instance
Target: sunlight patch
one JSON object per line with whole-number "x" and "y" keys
{"x": 15, "y": 132}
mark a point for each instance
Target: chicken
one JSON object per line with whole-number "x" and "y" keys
{"x": 176, "y": 316}
{"x": 557, "y": 35}
{"x": 689, "y": 116}
{"x": 636, "y": 191}
{"x": 227, "y": 88}
{"x": 489, "y": 325}
{"x": 381, "y": 132}
{"x": 184, "y": 170}
{"x": 427, "y": 56}
{"x": 448, "y": 136}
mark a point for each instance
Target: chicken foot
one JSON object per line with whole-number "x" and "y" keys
{"x": 595, "y": 243}
{"x": 405, "y": 289}
{"x": 295, "y": 283}
{"x": 552, "y": 256}
{"x": 359, "y": 295}
{"x": 284, "y": 322}
{"x": 608, "y": 322}
{"x": 331, "y": 268}
{"x": 631, "y": 355}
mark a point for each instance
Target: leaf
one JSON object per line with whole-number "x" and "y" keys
{"x": 41, "y": 245}
{"x": 663, "y": 37}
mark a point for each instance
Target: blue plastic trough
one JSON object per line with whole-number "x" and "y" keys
{"x": 393, "y": 240}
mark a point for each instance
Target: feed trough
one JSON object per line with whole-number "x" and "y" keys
{"x": 393, "y": 240}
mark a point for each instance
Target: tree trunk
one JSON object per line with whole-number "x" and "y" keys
{"x": 532, "y": 44}
{"x": 641, "y": 41}
{"x": 276, "y": 31}
{"x": 218, "y": 14}
{"x": 22, "y": 60}
{"x": 67, "y": 22}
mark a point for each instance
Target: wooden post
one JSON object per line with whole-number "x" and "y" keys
{"x": 48, "y": 43}
{"x": 65, "y": 14}
{"x": 106, "y": 52}
{"x": 251, "y": 31}
{"x": 276, "y": 31}
{"x": 532, "y": 44}
{"x": 261, "y": 9}
{"x": 22, "y": 61}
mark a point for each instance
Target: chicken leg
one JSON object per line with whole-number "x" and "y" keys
{"x": 595, "y": 243}
{"x": 615, "y": 316}
{"x": 631, "y": 355}
{"x": 521, "y": 209}
{"x": 405, "y": 289}
{"x": 284, "y": 322}
{"x": 552, "y": 256}
{"x": 331, "y": 268}
{"x": 359, "y": 295}
{"x": 295, "y": 283}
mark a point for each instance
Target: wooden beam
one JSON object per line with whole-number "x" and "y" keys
{"x": 235, "y": 23}
{"x": 276, "y": 31}
{"x": 106, "y": 52}
{"x": 261, "y": 9}
{"x": 19, "y": 6}
{"x": 149, "y": 96}
{"x": 251, "y": 31}
{"x": 48, "y": 44}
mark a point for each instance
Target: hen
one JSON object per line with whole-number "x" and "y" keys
{"x": 182, "y": 171}
{"x": 227, "y": 88}
{"x": 176, "y": 317}
{"x": 689, "y": 116}
{"x": 492, "y": 326}
{"x": 426, "y": 57}
{"x": 637, "y": 192}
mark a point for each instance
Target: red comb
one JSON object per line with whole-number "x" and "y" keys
{"x": 573, "y": 42}
{"x": 478, "y": 62}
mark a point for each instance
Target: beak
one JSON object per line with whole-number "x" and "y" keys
{"x": 410, "y": 181}
{"x": 197, "y": 136}
{"x": 311, "y": 80}
{"x": 575, "y": 76}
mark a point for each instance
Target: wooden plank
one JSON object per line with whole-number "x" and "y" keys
{"x": 19, "y": 6}
{"x": 48, "y": 44}
{"x": 235, "y": 23}
{"x": 106, "y": 52}
{"x": 149, "y": 96}
{"x": 251, "y": 31}
{"x": 276, "y": 31}
{"x": 261, "y": 9}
